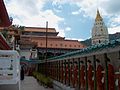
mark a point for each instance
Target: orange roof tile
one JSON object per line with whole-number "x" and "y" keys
{"x": 38, "y": 29}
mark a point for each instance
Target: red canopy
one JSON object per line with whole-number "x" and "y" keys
{"x": 4, "y": 18}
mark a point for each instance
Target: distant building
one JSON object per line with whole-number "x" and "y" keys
{"x": 99, "y": 31}
{"x": 56, "y": 45}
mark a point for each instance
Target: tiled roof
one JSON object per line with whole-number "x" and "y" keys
{"x": 38, "y": 29}
{"x": 54, "y": 42}
{"x": 92, "y": 49}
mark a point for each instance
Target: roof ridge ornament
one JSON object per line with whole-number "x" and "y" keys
{"x": 98, "y": 16}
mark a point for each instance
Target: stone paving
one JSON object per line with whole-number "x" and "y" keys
{"x": 30, "y": 83}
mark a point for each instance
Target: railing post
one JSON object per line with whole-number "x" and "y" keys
{"x": 79, "y": 73}
{"x": 73, "y": 83}
{"x": 65, "y": 71}
{"x": 94, "y": 63}
{"x": 106, "y": 71}
{"x": 86, "y": 74}
{"x": 59, "y": 72}
{"x": 68, "y": 72}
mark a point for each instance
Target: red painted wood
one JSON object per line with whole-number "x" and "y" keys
{"x": 4, "y": 18}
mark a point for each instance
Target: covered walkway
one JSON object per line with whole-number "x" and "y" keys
{"x": 30, "y": 83}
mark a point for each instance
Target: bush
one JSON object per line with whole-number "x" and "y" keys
{"x": 46, "y": 81}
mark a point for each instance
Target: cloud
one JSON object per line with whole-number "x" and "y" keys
{"x": 79, "y": 39}
{"x": 67, "y": 29}
{"x": 111, "y": 6}
{"x": 114, "y": 30}
{"x": 31, "y": 13}
{"x": 57, "y": 8}
{"x": 76, "y": 12}
{"x": 107, "y": 8}
{"x": 114, "y": 21}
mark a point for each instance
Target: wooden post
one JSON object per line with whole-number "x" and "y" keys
{"x": 86, "y": 74}
{"x": 79, "y": 73}
{"x": 94, "y": 63}
{"x": 65, "y": 71}
{"x": 62, "y": 76}
{"x": 106, "y": 70}
{"x": 73, "y": 83}
{"x": 69, "y": 72}
{"x": 59, "y": 72}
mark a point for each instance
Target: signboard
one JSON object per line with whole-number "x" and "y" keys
{"x": 9, "y": 67}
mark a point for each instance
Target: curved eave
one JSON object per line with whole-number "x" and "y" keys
{"x": 4, "y": 18}
{"x": 3, "y": 44}
{"x": 92, "y": 50}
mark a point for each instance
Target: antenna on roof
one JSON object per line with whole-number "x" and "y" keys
{"x": 46, "y": 40}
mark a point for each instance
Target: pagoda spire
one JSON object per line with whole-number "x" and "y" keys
{"x": 98, "y": 16}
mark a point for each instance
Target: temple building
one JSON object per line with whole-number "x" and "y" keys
{"x": 35, "y": 39}
{"x": 99, "y": 31}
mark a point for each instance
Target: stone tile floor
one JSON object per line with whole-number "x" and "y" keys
{"x": 30, "y": 83}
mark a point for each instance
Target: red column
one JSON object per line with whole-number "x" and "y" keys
{"x": 90, "y": 75}
{"x": 99, "y": 76}
{"x": 82, "y": 79}
{"x": 67, "y": 73}
{"x": 119, "y": 82}
{"x": 71, "y": 75}
{"x": 111, "y": 75}
{"x": 62, "y": 73}
{"x": 75, "y": 70}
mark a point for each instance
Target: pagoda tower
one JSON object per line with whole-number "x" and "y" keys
{"x": 99, "y": 31}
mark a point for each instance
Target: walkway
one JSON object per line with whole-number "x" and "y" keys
{"x": 30, "y": 83}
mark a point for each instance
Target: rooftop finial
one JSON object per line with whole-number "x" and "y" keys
{"x": 98, "y": 17}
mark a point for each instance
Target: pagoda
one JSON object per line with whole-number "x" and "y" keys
{"x": 99, "y": 31}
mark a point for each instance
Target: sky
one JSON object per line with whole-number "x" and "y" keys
{"x": 73, "y": 19}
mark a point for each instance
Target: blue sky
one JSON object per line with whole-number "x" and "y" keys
{"x": 73, "y": 19}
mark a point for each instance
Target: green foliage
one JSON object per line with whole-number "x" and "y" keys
{"x": 43, "y": 79}
{"x": 18, "y": 27}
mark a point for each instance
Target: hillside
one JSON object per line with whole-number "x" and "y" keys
{"x": 111, "y": 37}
